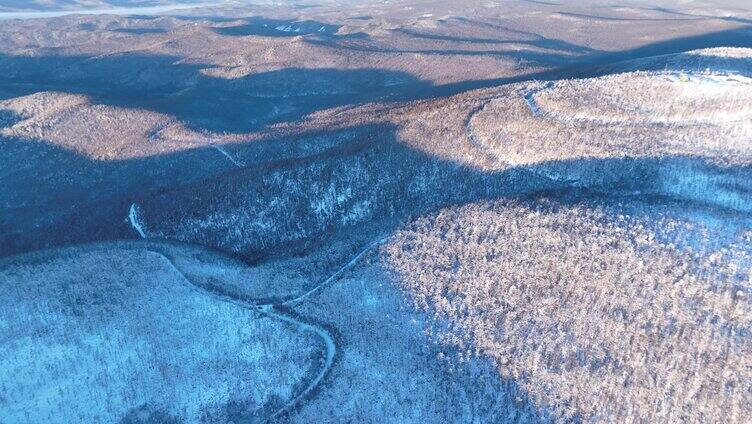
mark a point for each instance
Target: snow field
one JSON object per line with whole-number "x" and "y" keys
{"x": 93, "y": 335}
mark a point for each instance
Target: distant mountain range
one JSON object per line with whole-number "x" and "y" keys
{"x": 54, "y": 5}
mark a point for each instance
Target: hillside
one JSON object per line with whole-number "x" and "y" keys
{"x": 418, "y": 212}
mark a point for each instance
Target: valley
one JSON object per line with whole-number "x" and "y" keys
{"x": 418, "y": 211}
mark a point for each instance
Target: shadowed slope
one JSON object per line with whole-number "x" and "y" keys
{"x": 167, "y": 85}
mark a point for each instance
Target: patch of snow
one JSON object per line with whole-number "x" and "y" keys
{"x": 359, "y": 211}
{"x": 136, "y": 222}
{"x": 710, "y": 78}
{"x": 326, "y": 204}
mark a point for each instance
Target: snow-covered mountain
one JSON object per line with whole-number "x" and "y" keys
{"x": 410, "y": 211}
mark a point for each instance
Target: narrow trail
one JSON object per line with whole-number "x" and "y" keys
{"x": 473, "y": 139}
{"x": 492, "y": 156}
{"x": 275, "y": 310}
{"x": 228, "y": 156}
{"x": 529, "y": 96}
{"x": 477, "y": 142}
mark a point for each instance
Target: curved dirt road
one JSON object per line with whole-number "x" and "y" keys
{"x": 275, "y": 310}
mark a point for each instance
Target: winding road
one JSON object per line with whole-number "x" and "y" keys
{"x": 529, "y": 96}
{"x": 275, "y": 310}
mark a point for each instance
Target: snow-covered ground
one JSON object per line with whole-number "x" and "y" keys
{"x": 96, "y": 334}
{"x": 138, "y": 331}
{"x": 586, "y": 302}
{"x": 325, "y": 329}
{"x": 709, "y": 79}
{"x": 646, "y": 260}
{"x": 205, "y": 278}
{"x": 684, "y": 134}
{"x": 711, "y": 97}
{"x": 387, "y": 362}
